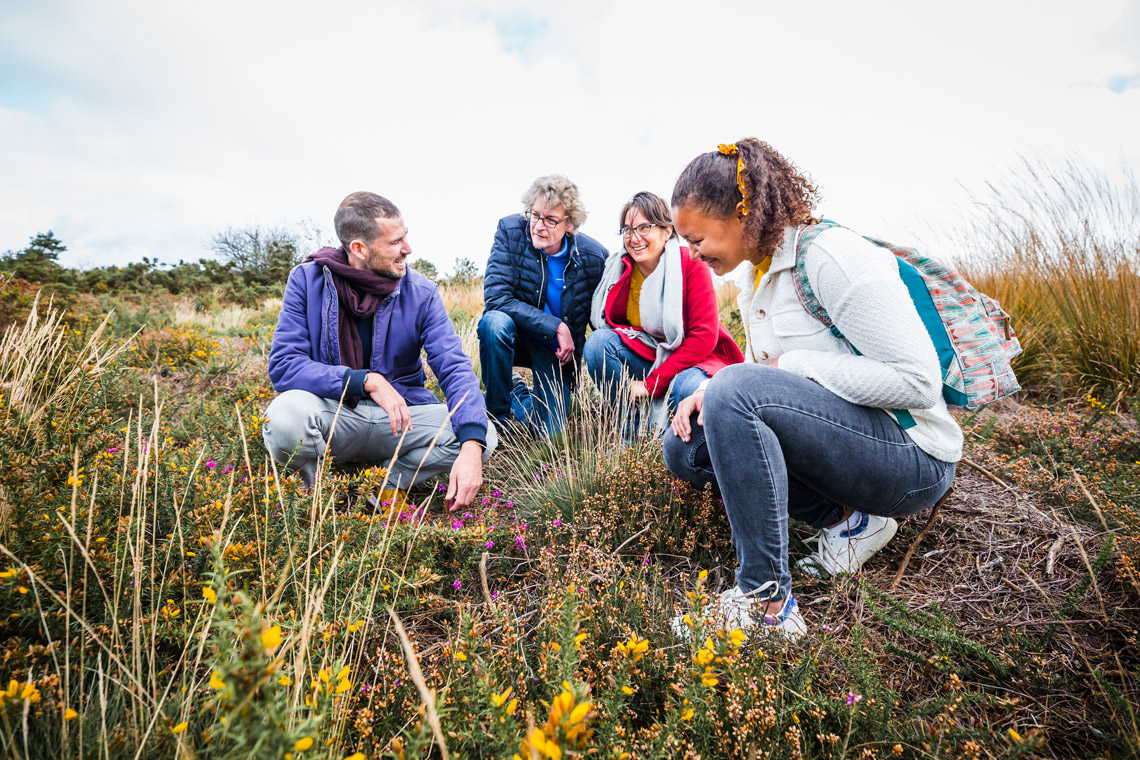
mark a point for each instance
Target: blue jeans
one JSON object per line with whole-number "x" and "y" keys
{"x": 778, "y": 445}
{"x": 502, "y": 347}
{"x": 607, "y": 358}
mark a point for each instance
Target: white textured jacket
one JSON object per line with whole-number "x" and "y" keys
{"x": 858, "y": 283}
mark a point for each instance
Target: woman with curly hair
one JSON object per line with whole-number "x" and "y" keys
{"x": 809, "y": 427}
{"x": 655, "y": 317}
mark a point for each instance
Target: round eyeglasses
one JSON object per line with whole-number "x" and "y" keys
{"x": 547, "y": 221}
{"x": 642, "y": 230}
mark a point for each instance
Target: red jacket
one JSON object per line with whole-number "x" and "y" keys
{"x": 707, "y": 343}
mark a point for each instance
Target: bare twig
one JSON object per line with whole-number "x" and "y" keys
{"x": 984, "y": 471}
{"x": 918, "y": 540}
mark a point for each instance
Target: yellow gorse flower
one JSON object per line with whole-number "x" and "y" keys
{"x": 635, "y": 648}
{"x": 271, "y": 637}
{"x": 180, "y": 727}
{"x": 209, "y": 594}
{"x": 498, "y": 700}
{"x": 303, "y": 744}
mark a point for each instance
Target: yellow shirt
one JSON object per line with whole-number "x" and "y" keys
{"x": 633, "y": 306}
{"x": 760, "y": 270}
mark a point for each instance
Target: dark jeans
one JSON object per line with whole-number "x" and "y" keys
{"x": 607, "y": 359}
{"x": 502, "y": 347}
{"x": 778, "y": 445}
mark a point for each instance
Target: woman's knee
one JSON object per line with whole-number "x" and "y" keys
{"x": 742, "y": 387}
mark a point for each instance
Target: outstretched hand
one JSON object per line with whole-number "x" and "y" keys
{"x": 682, "y": 427}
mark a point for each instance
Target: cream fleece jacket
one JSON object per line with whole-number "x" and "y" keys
{"x": 858, "y": 283}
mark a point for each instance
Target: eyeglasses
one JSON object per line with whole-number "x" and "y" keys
{"x": 548, "y": 221}
{"x": 642, "y": 230}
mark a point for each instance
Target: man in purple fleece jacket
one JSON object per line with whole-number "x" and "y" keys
{"x": 353, "y": 323}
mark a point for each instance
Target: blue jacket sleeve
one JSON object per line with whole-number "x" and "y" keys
{"x": 453, "y": 369}
{"x": 292, "y": 365}
{"x": 499, "y": 285}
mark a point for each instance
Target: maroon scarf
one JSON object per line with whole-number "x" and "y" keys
{"x": 360, "y": 292}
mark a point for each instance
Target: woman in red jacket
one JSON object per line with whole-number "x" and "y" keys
{"x": 655, "y": 316}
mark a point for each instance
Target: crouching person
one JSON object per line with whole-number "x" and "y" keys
{"x": 353, "y": 322}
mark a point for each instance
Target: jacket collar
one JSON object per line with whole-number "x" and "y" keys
{"x": 783, "y": 259}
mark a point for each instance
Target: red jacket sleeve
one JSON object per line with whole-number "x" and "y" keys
{"x": 702, "y": 326}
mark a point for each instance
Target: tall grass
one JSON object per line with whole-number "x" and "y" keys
{"x": 1059, "y": 247}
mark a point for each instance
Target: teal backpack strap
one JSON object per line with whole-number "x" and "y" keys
{"x": 811, "y": 304}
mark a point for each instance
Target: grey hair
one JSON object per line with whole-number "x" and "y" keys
{"x": 557, "y": 190}
{"x": 356, "y": 217}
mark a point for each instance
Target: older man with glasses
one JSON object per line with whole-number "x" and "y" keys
{"x": 537, "y": 291}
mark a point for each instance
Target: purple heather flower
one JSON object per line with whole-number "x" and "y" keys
{"x": 457, "y": 585}
{"x": 495, "y": 594}
{"x": 853, "y": 698}
{"x": 490, "y": 544}
{"x": 825, "y": 628}
{"x": 227, "y": 468}
{"x": 112, "y": 450}
{"x": 211, "y": 464}
{"x": 456, "y": 524}
{"x": 467, "y": 515}
{"x": 557, "y": 523}
{"x": 495, "y": 493}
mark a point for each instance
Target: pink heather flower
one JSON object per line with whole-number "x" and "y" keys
{"x": 211, "y": 464}
{"x": 490, "y": 544}
{"x": 853, "y": 698}
{"x": 442, "y": 488}
{"x": 457, "y": 585}
{"x": 557, "y": 523}
{"x": 495, "y": 493}
{"x": 467, "y": 515}
{"x": 495, "y": 594}
{"x": 456, "y": 524}
{"x": 227, "y": 468}
{"x": 490, "y": 528}
{"x": 519, "y": 541}
{"x": 112, "y": 450}
{"x": 825, "y": 628}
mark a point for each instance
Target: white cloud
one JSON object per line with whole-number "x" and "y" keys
{"x": 133, "y": 128}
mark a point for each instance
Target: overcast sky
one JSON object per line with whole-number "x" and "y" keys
{"x": 134, "y": 128}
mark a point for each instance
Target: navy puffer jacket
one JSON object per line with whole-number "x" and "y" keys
{"x": 515, "y": 282}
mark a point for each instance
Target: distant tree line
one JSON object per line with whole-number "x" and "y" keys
{"x": 252, "y": 263}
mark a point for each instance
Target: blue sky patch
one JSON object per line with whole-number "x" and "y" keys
{"x": 1119, "y": 84}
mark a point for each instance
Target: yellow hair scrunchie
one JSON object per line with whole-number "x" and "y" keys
{"x": 731, "y": 150}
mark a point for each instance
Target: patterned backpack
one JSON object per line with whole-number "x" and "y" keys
{"x": 972, "y": 335}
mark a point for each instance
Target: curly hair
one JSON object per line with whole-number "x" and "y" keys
{"x": 557, "y": 190}
{"x": 779, "y": 195}
{"x": 652, "y": 206}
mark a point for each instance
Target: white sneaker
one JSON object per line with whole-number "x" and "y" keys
{"x": 845, "y": 551}
{"x": 738, "y": 610}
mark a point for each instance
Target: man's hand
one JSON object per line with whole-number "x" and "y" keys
{"x": 638, "y": 391}
{"x": 466, "y": 475}
{"x": 695, "y": 403}
{"x": 565, "y": 343}
{"x": 390, "y": 400}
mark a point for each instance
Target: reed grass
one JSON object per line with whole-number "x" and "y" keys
{"x": 1059, "y": 247}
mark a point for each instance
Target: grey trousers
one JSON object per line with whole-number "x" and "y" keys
{"x": 299, "y": 433}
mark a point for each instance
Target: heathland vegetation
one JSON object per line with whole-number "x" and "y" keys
{"x": 164, "y": 592}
